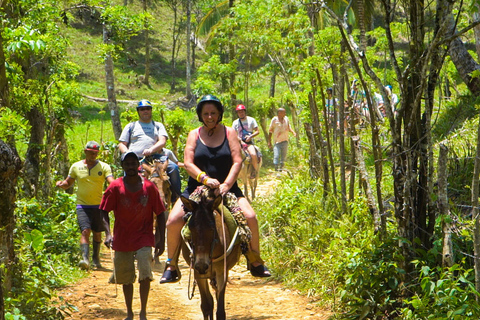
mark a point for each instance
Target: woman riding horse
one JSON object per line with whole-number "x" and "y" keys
{"x": 212, "y": 158}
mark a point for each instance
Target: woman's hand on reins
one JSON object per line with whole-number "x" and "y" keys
{"x": 212, "y": 183}
{"x": 223, "y": 188}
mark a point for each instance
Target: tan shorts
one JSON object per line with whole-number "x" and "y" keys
{"x": 125, "y": 266}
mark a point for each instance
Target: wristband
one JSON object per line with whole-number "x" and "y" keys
{"x": 203, "y": 178}
{"x": 199, "y": 175}
{"x": 205, "y": 181}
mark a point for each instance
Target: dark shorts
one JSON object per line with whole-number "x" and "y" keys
{"x": 92, "y": 218}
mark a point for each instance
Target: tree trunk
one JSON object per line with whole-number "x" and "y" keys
{"x": 110, "y": 84}
{"x": 173, "y": 61}
{"x": 188, "y": 91}
{"x": 314, "y": 159}
{"x": 272, "y": 84}
{"x": 443, "y": 209}
{"x": 327, "y": 135}
{"x": 319, "y": 142}
{"x": 33, "y": 160}
{"x": 465, "y": 64}
{"x": 342, "y": 116}
{"x": 60, "y": 154}
{"x": 476, "y": 212}
{"x": 365, "y": 182}
{"x": 146, "y": 79}
{"x": 10, "y": 166}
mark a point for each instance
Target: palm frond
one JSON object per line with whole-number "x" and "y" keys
{"x": 213, "y": 17}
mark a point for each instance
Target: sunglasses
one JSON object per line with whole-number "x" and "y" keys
{"x": 144, "y": 109}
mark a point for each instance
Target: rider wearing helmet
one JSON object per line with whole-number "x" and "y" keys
{"x": 247, "y": 128}
{"x": 212, "y": 158}
{"x": 147, "y": 138}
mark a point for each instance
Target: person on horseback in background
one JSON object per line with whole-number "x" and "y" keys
{"x": 147, "y": 138}
{"x": 91, "y": 175}
{"x": 212, "y": 158}
{"x": 247, "y": 128}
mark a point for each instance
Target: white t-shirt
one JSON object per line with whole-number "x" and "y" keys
{"x": 279, "y": 129}
{"x": 140, "y": 135}
{"x": 249, "y": 124}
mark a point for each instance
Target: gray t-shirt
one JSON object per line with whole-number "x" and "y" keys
{"x": 140, "y": 135}
{"x": 248, "y": 126}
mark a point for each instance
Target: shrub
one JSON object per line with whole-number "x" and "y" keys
{"x": 46, "y": 241}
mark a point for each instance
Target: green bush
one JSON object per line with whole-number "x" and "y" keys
{"x": 46, "y": 241}
{"x": 442, "y": 293}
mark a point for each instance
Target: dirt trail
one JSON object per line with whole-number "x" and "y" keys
{"x": 246, "y": 297}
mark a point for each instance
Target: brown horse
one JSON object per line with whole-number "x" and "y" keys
{"x": 157, "y": 173}
{"x": 210, "y": 250}
{"x": 246, "y": 172}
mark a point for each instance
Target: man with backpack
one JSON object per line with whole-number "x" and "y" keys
{"x": 147, "y": 138}
{"x": 247, "y": 128}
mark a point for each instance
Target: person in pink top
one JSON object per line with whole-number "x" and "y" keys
{"x": 279, "y": 128}
{"x": 134, "y": 201}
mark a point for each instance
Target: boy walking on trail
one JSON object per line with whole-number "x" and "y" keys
{"x": 279, "y": 128}
{"x": 134, "y": 200}
{"x": 91, "y": 175}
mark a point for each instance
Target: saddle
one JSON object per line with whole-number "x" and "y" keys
{"x": 233, "y": 217}
{"x": 246, "y": 156}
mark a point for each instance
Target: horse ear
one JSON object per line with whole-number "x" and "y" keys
{"x": 164, "y": 165}
{"x": 147, "y": 169}
{"x": 217, "y": 202}
{"x": 189, "y": 205}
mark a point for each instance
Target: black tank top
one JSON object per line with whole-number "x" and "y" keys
{"x": 216, "y": 162}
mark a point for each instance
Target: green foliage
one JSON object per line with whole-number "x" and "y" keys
{"x": 307, "y": 237}
{"x": 12, "y": 124}
{"x": 371, "y": 279}
{"x": 46, "y": 244}
{"x": 443, "y": 293}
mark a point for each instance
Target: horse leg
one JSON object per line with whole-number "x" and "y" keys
{"x": 253, "y": 186}
{"x": 206, "y": 299}
{"x": 221, "y": 278}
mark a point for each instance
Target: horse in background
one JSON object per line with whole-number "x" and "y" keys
{"x": 157, "y": 173}
{"x": 246, "y": 172}
{"x": 210, "y": 248}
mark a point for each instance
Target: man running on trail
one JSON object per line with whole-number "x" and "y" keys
{"x": 134, "y": 200}
{"x": 91, "y": 175}
{"x": 247, "y": 128}
{"x": 146, "y": 138}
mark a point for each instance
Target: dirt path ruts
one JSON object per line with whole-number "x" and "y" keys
{"x": 246, "y": 297}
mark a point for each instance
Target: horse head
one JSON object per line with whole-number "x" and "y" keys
{"x": 202, "y": 227}
{"x": 157, "y": 173}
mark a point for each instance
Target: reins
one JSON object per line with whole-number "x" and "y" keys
{"x": 226, "y": 252}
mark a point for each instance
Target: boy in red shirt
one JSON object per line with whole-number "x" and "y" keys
{"x": 133, "y": 201}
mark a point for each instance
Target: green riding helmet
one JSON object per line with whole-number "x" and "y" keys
{"x": 210, "y": 99}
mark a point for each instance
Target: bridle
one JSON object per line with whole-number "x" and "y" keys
{"x": 226, "y": 251}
